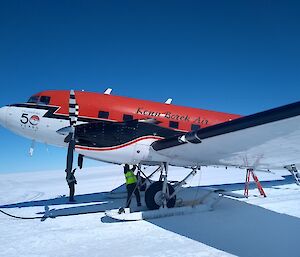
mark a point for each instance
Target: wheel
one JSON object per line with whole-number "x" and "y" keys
{"x": 153, "y": 196}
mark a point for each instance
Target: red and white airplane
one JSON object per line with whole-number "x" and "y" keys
{"x": 120, "y": 130}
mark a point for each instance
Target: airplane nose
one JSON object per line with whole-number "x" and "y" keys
{"x": 3, "y": 112}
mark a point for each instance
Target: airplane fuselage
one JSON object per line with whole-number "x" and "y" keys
{"x": 47, "y": 112}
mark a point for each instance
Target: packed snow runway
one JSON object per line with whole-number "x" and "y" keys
{"x": 245, "y": 227}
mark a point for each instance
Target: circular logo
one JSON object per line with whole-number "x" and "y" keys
{"x": 34, "y": 120}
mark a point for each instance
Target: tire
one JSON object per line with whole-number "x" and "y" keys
{"x": 152, "y": 192}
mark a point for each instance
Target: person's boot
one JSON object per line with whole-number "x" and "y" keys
{"x": 121, "y": 210}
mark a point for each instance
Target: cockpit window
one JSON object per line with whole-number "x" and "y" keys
{"x": 34, "y": 99}
{"x": 44, "y": 100}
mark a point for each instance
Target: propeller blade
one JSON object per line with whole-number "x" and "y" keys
{"x": 73, "y": 109}
{"x": 70, "y": 156}
{"x": 73, "y": 116}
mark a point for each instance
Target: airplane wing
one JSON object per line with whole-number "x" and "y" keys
{"x": 265, "y": 140}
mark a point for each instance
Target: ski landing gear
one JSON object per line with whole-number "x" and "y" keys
{"x": 160, "y": 198}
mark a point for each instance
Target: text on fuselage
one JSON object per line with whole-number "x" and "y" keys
{"x": 171, "y": 116}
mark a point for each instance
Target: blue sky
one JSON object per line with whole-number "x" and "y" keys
{"x": 232, "y": 56}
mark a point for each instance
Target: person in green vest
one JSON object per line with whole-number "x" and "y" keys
{"x": 131, "y": 185}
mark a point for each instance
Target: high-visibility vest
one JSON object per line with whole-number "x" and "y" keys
{"x": 130, "y": 177}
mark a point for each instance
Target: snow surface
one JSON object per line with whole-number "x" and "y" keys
{"x": 245, "y": 227}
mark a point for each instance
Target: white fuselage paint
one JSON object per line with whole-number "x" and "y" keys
{"x": 45, "y": 131}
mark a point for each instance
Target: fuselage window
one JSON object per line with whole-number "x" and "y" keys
{"x": 44, "y": 100}
{"x": 103, "y": 115}
{"x": 173, "y": 124}
{"x": 34, "y": 99}
{"x": 195, "y": 127}
{"x": 127, "y": 117}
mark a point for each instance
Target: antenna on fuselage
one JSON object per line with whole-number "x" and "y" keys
{"x": 169, "y": 101}
{"x": 108, "y": 91}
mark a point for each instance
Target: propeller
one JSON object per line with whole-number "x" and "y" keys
{"x": 73, "y": 116}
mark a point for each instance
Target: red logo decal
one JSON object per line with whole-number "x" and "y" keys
{"x": 34, "y": 120}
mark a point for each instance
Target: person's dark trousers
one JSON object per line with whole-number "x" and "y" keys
{"x": 72, "y": 191}
{"x": 130, "y": 189}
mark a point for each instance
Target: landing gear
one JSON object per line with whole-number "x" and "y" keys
{"x": 154, "y": 196}
{"x": 160, "y": 198}
{"x": 162, "y": 194}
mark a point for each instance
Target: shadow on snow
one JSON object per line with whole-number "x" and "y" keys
{"x": 103, "y": 196}
{"x": 103, "y": 203}
{"x": 239, "y": 228}
{"x": 235, "y": 227}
